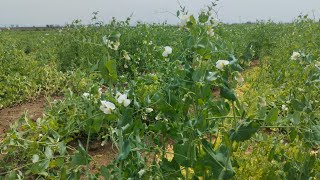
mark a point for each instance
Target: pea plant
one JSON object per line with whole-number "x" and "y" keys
{"x": 183, "y": 123}
{"x": 173, "y": 102}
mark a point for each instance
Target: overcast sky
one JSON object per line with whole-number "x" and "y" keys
{"x": 42, "y": 12}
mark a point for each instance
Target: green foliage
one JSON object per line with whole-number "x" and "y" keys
{"x": 159, "y": 95}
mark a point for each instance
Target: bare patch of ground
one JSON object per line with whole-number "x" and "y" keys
{"x": 254, "y": 63}
{"x": 102, "y": 155}
{"x": 9, "y": 115}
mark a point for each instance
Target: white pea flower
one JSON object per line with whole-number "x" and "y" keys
{"x": 110, "y": 44}
{"x": 123, "y": 99}
{"x": 141, "y": 172}
{"x": 317, "y": 64}
{"x": 107, "y": 107}
{"x": 214, "y": 22}
{"x": 220, "y": 64}
{"x": 116, "y": 45}
{"x": 106, "y": 41}
{"x": 284, "y": 107}
{"x": 100, "y": 91}
{"x": 149, "y": 110}
{"x": 103, "y": 143}
{"x": 167, "y": 51}
{"x": 86, "y": 95}
{"x": 126, "y": 56}
{"x": 184, "y": 19}
{"x": 210, "y": 32}
{"x": 295, "y": 56}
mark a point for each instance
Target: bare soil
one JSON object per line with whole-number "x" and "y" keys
{"x": 254, "y": 63}
{"x": 101, "y": 155}
{"x": 33, "y": 109}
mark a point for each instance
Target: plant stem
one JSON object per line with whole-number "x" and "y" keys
{"x": 234, "y": 115}
{"x": 87, "y": 150}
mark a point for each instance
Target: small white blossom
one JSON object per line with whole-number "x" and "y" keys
{"x": 103, "y": 143}
{"x": 106, "y": 41}
{"x": 210, "y": 32}
{"x": 110, "y": 44}
{"x": 100, "y": 91}
{"x": 107, "y": 107}
{"x": 141, "y": 172}
{"x": 126, "y": 56}
{"x": 184, "y": 19}
{"x": 295, "y": 56}
{"x": 167, "y": 51}
{"x": 123, "y": 99}
{"x": 116, "y": 45}
{"x": 220, "y": 64}
{"x": 284, "y": 107}
{"x": 86, "y": 95}
{"x": 149, "y": 110}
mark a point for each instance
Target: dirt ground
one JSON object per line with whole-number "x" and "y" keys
{"x": 9, "y": 115}
{"x": 102, "y": 155}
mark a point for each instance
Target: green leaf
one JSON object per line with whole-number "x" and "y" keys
{"x": 244, "y": 131}
{"x": 80, "y": 157}
{"x": 97, "y": 124}
{"x": 315, "y": 134}
{"x": 12, "y": 175}
{"x": 126, "y": 118}
{"x": 272, "y": 115}
{"x": 297, "y": 105}
{"x": 182, "y": 150}
{"x": 192, "y": 21}
{"x": 295, "y": 117}
{"x": 62, "y": 148}
{"x": 63, "y": 173}
{"x": 48, "y": 152}
{"x": 226, "y": 93}
{"x": 115, "y": 36}
{"x": 171, "y": 167}
{"x": 262, "y": 112}
{"x": 40, "y": 166}
{"x": 105, "y": 172}
{"x": 219, "y": 162}
{"x": 35, "y": 158}
{"x": 125, "y": 150}
{"x": 203, "y": 18}
{"x": 112, "y": 70}
{"x": 108, "y": 70}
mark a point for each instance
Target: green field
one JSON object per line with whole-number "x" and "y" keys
{"x": 203, "y": 100}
